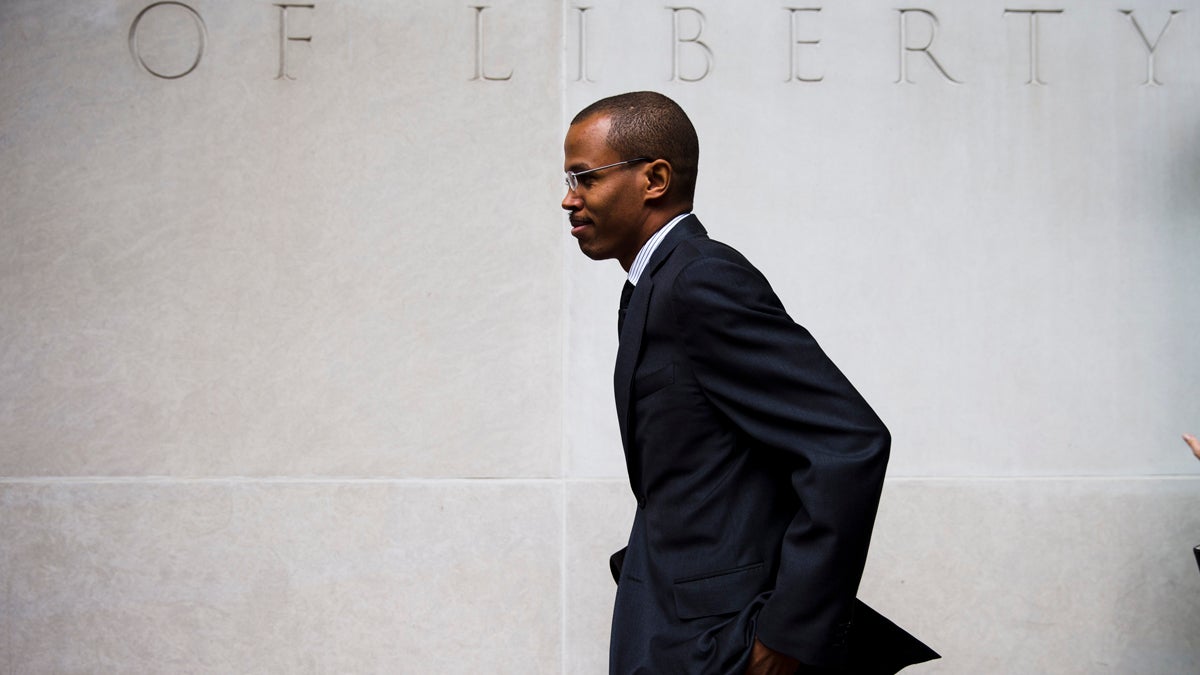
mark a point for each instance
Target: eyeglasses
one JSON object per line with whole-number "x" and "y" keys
{"x": 573, "y": 176}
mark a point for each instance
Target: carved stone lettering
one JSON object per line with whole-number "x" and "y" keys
{"x": 201, "y": 32}
{"x": 793, "y": 41}
{"x": 168, "y": 39}
{"x": 906, "y": 48}
{"x": 285, "y": 38}
{"x": 480, "y": 67}
{"x": 1151, "y": 79}
{"x": 1033, "y": 40}
{"x": 677, "y": 41}
{"x": 581, "y": 75}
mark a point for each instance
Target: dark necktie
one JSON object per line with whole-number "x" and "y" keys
{"x": 626, "y": 293}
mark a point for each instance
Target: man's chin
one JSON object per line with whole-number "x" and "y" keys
{"x": 592, "y": 252}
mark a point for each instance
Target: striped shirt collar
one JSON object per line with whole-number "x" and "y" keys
{"x": 651, "y": 245}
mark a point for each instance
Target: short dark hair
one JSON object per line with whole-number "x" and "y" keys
{"x": 648, "y": 124}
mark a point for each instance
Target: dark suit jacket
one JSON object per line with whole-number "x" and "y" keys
{"x": 757, "y": 469}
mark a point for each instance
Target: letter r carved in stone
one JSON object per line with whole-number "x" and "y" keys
{"x": 906, "y": 48}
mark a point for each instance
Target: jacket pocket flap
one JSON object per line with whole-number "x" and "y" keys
{"x": 722, "y": 592}
{"x": 651, "y": 382}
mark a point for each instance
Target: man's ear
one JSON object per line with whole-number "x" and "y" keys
{"x": 658, "y": 179}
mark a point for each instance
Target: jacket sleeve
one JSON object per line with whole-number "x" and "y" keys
{"x": 770, "y": 378}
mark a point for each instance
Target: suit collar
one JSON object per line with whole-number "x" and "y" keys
{"x": 686, "y": 229}
{"x": 651, "y": 245}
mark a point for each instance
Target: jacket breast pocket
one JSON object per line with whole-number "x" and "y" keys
{"x": 644, "y": 385}
{"x": 721, "y": 592}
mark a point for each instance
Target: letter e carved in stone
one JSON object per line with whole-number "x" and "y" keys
{"x": 792, "y": 42}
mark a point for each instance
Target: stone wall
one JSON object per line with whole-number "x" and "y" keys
{"x": 300, "y": 370}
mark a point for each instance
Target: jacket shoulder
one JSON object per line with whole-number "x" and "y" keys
{"x": 702, "y": 250}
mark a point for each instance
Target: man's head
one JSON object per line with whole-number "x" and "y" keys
{"x": 653, "y": 147}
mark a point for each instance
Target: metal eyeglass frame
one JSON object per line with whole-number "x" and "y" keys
{"x": 572, "y": 177}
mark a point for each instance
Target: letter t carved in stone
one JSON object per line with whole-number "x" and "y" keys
{"x": 1034, "y": 42}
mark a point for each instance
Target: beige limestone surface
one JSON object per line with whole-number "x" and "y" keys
{"x": 300, "y": 371}
{"x": 352, "y": 272}
{"x": 293, "y": 577}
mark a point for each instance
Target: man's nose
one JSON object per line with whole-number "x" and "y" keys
{"x": 571, "y": 201}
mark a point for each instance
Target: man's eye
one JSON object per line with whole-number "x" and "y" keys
{"x": 587, "y": 180}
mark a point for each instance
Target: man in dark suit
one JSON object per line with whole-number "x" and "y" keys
{"x": 756, "y": 466}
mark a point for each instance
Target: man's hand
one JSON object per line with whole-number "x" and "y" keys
{"x": 1193, "y": 444}
{"x": 766, "y": 661}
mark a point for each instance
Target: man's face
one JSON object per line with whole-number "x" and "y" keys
{"x": 606, "y": 210}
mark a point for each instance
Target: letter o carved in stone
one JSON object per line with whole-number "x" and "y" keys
{"x": 201, "y": 32}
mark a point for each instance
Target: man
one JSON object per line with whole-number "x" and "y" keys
{"x": 756, "y": 465}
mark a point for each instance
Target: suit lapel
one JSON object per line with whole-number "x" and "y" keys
{"x": 630, "y": 344}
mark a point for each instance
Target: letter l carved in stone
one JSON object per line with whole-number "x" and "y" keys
{"x": 480, "y": 66}
{"x": 582, "y": 75}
